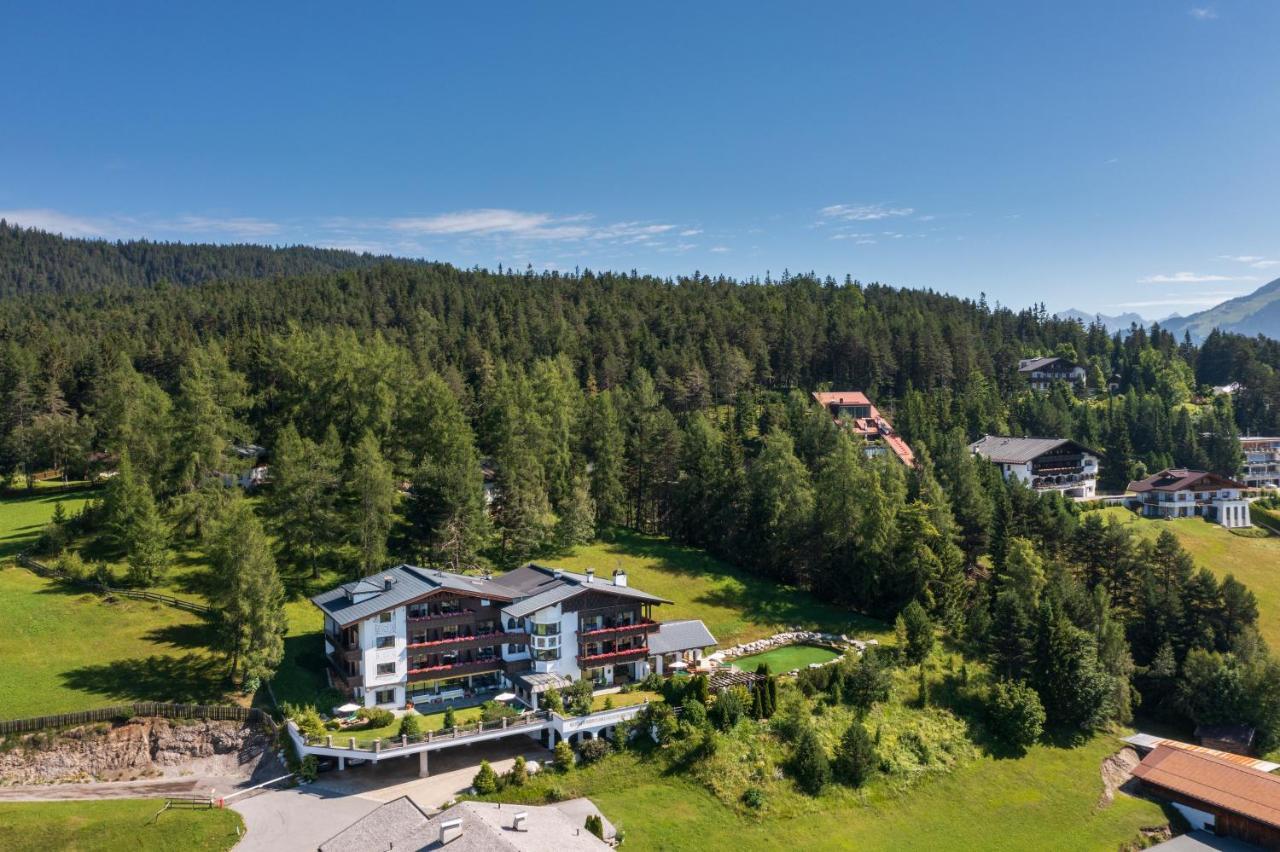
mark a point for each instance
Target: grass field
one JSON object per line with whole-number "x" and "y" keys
{"x": 1045, "y": 800}
{"x": 1254, "y": 561}
{"x": 65, "y": 649}
{"x": 735, "y": 606}
{"x": 114, "y": 825}
{"x": 22, "y": 518}
{"x": 787, "y": 658}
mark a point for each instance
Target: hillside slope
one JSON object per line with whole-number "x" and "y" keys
{"x": 33, "y": 262}
{"x": 1252, "y": 314}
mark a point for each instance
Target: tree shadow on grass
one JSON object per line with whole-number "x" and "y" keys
{"x": 191, "y": 678}
{"x": 761, "y": 604}
{"x": 197, "y": 635}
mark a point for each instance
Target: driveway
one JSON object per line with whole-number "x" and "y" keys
{"x": 304, "y": 817}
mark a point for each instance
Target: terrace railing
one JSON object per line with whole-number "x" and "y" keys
{"x": 217, "y": 712}
{"x": 458, "y": 732}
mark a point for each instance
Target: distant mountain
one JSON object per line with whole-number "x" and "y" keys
{"x": 1120, "y": 322}
{"x": 33, "y": 261}
{"x": 1256, "y": 313}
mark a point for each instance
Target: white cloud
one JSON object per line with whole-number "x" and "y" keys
{"x": 1203, "y": 13}
{"x": 492, "y": 222}
{"x": 58, "y": 223}
{"x": 863, "y": 212}
{"x": 1191, "y": 278}
{"x": 1255, "y": 261}
{"x": 719, "y": 249}
{"x": 691, "y": 232}
{"x": 247, "y": 227}
{"x": 1199, "y": 300}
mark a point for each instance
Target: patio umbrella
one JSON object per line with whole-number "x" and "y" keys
{"x": 678, "y": 664}
{"x": 505, "y": 696}
{"x": 346, "y": 709}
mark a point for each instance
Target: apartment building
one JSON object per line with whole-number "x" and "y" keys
{"x": 1045, "y": 464}
{"x": 1182, "y": 493}
{"x": 411, "y": 634}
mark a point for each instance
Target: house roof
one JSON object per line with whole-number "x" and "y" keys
{"x": 1213, "y": 781}
{"x": 841, "y": 398}
{"x": 684, "y": 635}
{"x": 1007, "y": 450}
{"x": 1181, "y": 479}
{"x": 1203, "y": 841}
{"x": 398, "y": 586}
{"x": 521, "y": 592}
{"x": 400, "y": 824}
{"x": 1028, "y": 365}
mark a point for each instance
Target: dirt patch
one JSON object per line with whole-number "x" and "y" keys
{"x": 1117, "y": 770}
{"x": 138, "y": 748}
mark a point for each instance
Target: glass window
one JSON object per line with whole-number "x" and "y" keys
{"x": 385, "y": 696}
{"x": 386, "y": 641}
{"x": 385, "y": 617}
{"x": 386, "y": 668}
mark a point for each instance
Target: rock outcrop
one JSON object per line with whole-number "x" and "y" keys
{"x": 137, "y": 748}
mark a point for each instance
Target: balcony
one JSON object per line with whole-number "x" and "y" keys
{"x": 442, "y": 617}
{"x": 493, "y": 664}
{"x": 644, "y": 625}
{"x": 629, "y": 655}
{"x": 476, "y": 640}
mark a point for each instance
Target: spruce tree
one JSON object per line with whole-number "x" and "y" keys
{"x": 247, "y": 595}
{"x": 855, "y": 758}
{"x": 372, "y": 500}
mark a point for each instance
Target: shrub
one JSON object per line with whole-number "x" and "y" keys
{"x": 411, "y": 725}
{"x": 652, "y": 682}
{"x": 563, "y": 756}
{"x": 307, "y": 720}
{"x": 753, "y": 797}
{"x": 700, "y": 688}
{"x": 71, "y": 566}
{"x": 729, "y": 708}
{"x": 693, "y": 713}
{"x": 486, "y": 780}
{"x": 868, "y": 681}
{"x": 308, "y": 768}
{"x": 608, "y": 703}
{"x": 1015, "y": 714}
{"x": 595, "y": 825}
{"x": 450, "y": 719}
{"x": 578, "y": 698}
{"x": 492, "y": 711}
{"x": 593, "y": 750}
{"x": 552, "y": 701}
{"x": 519, "y": 773}
{"x": 376, "y": 717}
{"x": 856, "y": 756}
{"x": 809, "y": 764}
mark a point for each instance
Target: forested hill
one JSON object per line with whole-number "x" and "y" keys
{"x": 33, "y": 262}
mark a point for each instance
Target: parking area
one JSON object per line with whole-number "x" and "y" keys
{"x": 304, "y": 817}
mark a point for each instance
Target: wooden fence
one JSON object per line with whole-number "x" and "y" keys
{"x": 216, "y": 712}
{"x": 168, "y": 600}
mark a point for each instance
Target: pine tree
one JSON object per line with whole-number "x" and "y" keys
{"x": 247, "y": 595}
{"x": 147, "y": 543}
{"x": 486, "y": 780}
{"x": 372, "y": 502}
{"x": 855, "y": 759}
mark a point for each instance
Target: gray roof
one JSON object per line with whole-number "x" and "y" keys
{"x": 1203, "y": 841}
{"x": 1027, "y": 365}
{"x": 542, "y": 680}
{"x": 485, "y": 826}
{"x": 521, "y": 592}
{"x": 1000, "y": 448}
{"x": 685, "y": 635}
{"x": 549, "y": 586}
{"x": 407, "y": 583}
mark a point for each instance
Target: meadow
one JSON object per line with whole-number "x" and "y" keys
{"x": 115, "y": 824}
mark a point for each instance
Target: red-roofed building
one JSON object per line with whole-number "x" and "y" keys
{"x": 852, "y": 410}
{"x": 1183, "y": 493}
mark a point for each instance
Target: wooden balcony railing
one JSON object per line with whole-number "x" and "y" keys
{"x": 625, "y": 656}
{"x": 646, "y": 625}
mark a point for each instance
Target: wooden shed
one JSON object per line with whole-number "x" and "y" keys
{"x": 1215, "y": 794}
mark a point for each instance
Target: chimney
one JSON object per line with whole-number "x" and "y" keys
{"x": 450, "y": 830}
{"x": 591, "y": 575}
{"x": 620, "y": 577}
{"x": 517, "y": 822}
{"x": 557, "y": 573}
{"x": 387, "y": 582}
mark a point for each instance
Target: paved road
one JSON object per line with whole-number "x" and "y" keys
{"x": 157, "y": 788}
{"x": 302, "y": 818}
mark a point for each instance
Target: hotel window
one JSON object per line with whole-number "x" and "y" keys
{"x": 418, "y": 611}
{"x": 386, "y": 669}
{"x": 385, "y": 696}
{"x": 515, "y": 649}
{"x": 386, "y": 641}
{"x": 386, "y": 617}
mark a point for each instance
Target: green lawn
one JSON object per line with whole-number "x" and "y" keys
{"x": 623, "y": 699}
{"x": 1045, "y": 800}
{"x": 787, "y": 658}
{"x": 22, "y": 518}
{"x": 735, "y": 606}
{"x": 65, "y": 649}
{"x": 1254, "y": 561}
{"x": 116, "y": 824}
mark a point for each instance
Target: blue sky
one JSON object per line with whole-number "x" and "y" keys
{"x": 1108, "y": 156}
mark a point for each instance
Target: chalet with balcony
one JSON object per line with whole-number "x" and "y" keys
{"x": 1041, "y": 373}
{"x": 411, "y": 634}
{"x": 1182, "y": 493}
{"x": 1045, "y": 464}
{"x": 853, "y": 411}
